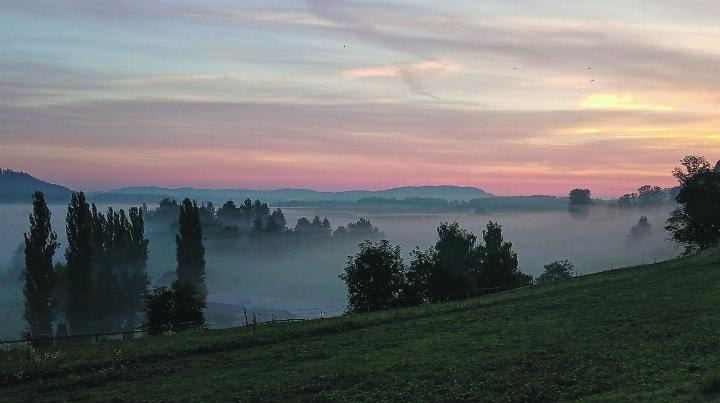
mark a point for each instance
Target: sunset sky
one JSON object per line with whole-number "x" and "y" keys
{"x": 515, "y": 97}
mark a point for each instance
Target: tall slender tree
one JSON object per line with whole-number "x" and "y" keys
{"x": 190, "y": 248}
{"x": 106, "y": 298}
{"x": 78, "y": 255}
{"x": 40, "y": 246}
{"x": 136, "y": 279}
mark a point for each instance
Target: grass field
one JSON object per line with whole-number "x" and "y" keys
{"x": 644, "y": 333}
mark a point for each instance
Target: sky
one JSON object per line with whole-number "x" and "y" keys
{"x": 515, "y": 97}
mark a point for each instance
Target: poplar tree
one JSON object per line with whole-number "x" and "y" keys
{"x": 78, "y": 255}
{"x": 40, "y": 246}
{"x": 190, "y": 249}
{"x": 189, "y": 291}
{"x": 136, "y": 279}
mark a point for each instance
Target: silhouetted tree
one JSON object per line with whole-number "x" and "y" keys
{"x": 374, "y": 276}
{"x": 456, "y": 262}
{"x": 691, "y": 167}
{"x": 106, "y": 239}
{"x": 276, "y": 222}
{"x": 207, "y": 212}
{"x": 418, "y": 277}
{"x": 166, "y": 212}
{"x": 557, "y": 270}
{"x": 246, "y": 210}
{"x": 61, "y": 286}
{"x": 120, "y": 253}
{"x": 363, "y": 228}
{"x": 190, "y": 248}
{"x": 627, "y": 200}
{"x": 641, "y": 229}
{"x": 230, "y": 214}
{"x": 40, "y": 246}
{"x": 498, "y": 262}
{"x": 160, "y": 310}
{"x": 695, "y": 224}
{"x": 580, "y": 197}
{"x": 79, "y": 258}
{"x": 340, "y": 232}
{"x": 315, "y": 229}
{"x": 303, "y": 225}
{"x": 579, "y": 202}
{"x": 135, "y": 277}
{"x": 650, "y": 196}
{"x": 188, "y": 307}
{"x": 179, "y": 307}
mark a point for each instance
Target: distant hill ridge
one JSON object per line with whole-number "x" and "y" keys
{"x": 450, "y": 193}
{"x": 17, "y": 187}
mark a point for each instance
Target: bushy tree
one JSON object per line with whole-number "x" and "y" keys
{"x": 374, "y": 276}
{"x": 363, "y": 228}
{"x": 340, "y": 233}
{"x": 579, "y": 202}
{"x": 166, "y": 212}
{"x": 580, "y": 197}
{"x": 276, "y": 222}
{"x": 627, "y": 200}
{"x": 230, "y": 214}
{"x": 498, "y": 262}
{"x": 647, "y": 196}
{"x": 557, "y": 270}
{"x": 79, "y": 258}
{"x": 189, "y": 247}
{"x": 695, "y": 224}
{"x": 650, "y": 196}
{"x": 315, "y": 229}
{"x": 160, "y": 310}
{"x": 418, "y": 276}
{"x": 456, "y": 263}
{"x": 40, "y": 246}
{"x": 179, "y": 307}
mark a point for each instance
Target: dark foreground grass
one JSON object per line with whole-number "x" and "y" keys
{"x": 645, "y": 333}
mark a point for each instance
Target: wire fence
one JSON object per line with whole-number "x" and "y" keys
{"x": 252, "y": 319}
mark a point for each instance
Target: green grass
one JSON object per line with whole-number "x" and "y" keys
{"x": 644, "y": 333}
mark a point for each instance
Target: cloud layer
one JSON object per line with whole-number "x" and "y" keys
{"x": 524, "y": 99}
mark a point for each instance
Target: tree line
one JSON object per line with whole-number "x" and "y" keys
{"x": 103, "y": 284}
{"x": 457, "y": 265}
{"x": 257, "y": 220}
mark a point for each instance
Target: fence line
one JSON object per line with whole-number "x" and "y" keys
{"x": 393, "y": 303}
{"x": 89, "y": 338}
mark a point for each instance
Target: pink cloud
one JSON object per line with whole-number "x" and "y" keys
{"x": 430, "y": 67}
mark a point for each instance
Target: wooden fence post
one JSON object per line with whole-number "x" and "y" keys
{"x": 254, "y": 323}
{"x": 246, "y": 319}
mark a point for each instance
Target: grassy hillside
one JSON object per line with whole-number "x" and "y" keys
{"x": 643, "y": 333}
